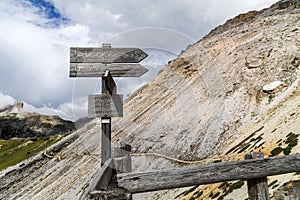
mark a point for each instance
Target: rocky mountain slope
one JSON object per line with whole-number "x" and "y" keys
{"x": 234, "y": 91}
{"x": 17, "y": 124}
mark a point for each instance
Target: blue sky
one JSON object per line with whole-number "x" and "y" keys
{"x": 35, "y": 37}
{"x": 48, "y": 10}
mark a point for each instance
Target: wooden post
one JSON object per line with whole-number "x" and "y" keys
{"x": 258, "y": 187}
{"x": 106, "y": 121}
{"x": 105, "y": 139}
{"x": 122, "y": 158}
{"x": 105, "y": 175}
{"x": 122, "y": 164}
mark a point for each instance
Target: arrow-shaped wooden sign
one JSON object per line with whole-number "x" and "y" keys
{"x": 106, "y": 55}
{"x": 93, "y": 62}
{"x": 98, "y": 70}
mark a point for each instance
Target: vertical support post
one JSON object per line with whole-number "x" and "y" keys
{"x": 105, "y": 139}
{"x": 122, "y": 164}
{"x": 257, "y": 188}
{"x": 106, "y": 121}
{"x": 122, "y": 158}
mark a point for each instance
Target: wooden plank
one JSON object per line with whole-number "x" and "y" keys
{"x": 106, "y": 55}
{"x": 100, "y": 180}
{"x": 108, "y": 84}
{"x": 105, "y": 140}
{"x": 105, "y": 105}
{"x": 211, "y": 173}
{"x": 257, "y": 188}
{"x": 98, "y": 70}
{"x": 105, "y": 175}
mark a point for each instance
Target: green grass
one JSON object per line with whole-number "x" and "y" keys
{"x": 276, "y": 151}
{"x": 14, "y": 151}
{"x": 291, "y": 141}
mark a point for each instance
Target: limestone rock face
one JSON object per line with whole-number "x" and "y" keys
{"x": 206, "y": 105}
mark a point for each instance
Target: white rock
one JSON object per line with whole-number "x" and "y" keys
{"x": 272, "y": 86}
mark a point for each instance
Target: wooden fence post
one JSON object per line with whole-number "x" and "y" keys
{"x": 258, "y": 187}
{"x": 108, "y": 87}
{"x": 122, "y": 164}
{"x": 122, "y": 158}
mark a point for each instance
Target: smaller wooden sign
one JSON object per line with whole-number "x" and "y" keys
{"x": 105, "y": 105}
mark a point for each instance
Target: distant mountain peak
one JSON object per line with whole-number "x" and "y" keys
{"x": 9, "y": 109}
{"x": 17, "y": 124}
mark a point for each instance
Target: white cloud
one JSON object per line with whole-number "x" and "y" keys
{"x": 6, "y": 100}
{"x": 220, "y": 11}
{"x": 68, "y": 110}
{"x": 34, "y": 59}
{"x": 72, "y": 35}
{"x": 35, "y": 54}
{"x": 191, "y": 17}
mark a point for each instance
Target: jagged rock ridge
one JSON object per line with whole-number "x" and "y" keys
{"x": 14, "y": 123}
{"x": 33, "y": 125}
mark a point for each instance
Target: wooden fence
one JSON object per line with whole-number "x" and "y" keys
{"x": 255, "y": 168}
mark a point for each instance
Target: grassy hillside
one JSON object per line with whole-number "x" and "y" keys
{"x": 15, "y": 150}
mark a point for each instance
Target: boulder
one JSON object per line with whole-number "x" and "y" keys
{"x": 271, "y": 87}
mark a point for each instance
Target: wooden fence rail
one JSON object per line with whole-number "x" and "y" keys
{"x": 210, "y": 173}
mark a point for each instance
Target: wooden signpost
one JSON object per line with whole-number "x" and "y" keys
{"x": 106, "y": 62}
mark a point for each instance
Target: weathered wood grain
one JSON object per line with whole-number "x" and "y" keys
{"x": 106, "y": 55}
{"x": 211, "y": 173}
{"x": 258, "y": 187}
{"x": 105, "y": 105}
{"x": 98, "y": 70}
